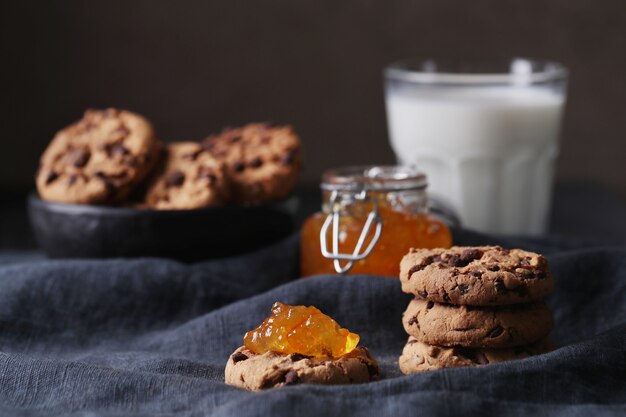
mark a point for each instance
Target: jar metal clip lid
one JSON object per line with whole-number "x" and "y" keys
{"x": 333, "y": 219}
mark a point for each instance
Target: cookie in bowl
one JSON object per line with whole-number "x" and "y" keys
{"x": 262, "y": 161}
{"x": 191, "y": 178}
{"x": 299, "y": 344}
{"x": 98, "y": 160}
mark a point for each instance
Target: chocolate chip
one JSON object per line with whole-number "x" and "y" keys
{"x": 191, "y": 156}
{"x": 539, "y": 274}
{"x": 463, "y": 288}
{"x": 525, "y": 261}
{"x": 414, "y": 269}
{"x": 108, "y": 183}
{"x": 238, "y": 357}
{"x": 207, "y": 146}
{"x": 495, "y": 332}
{"x": 114, "y": 149}
{"x": 239, "y": 167}
{"x": 434, "y": 351}
{"x": 119, "y": 175}
{"x": 208, "y": 174}
{"x": 493, "y": 268}
{"x": 412, "y": 321}
{"x": 291, "y": 378}
{"x": 464, "y": 352}
{"x": 72, "y": 179}
{"x": 411, "y": 342}
{"x": 521, "y": 290}
{"x": 256, "y": 163}
{"x": 295, "y": 357}
{"x": 469, "y": 255}
{"x": 446, "y": 297}
{"x": 289, "y": 157}
{"x": 476, "y": 274}
{"x": 175, "y": 179}
{"x": 524, "y": 274}
{"x": 122, "y": 130}
{"x": 455, "y": 260}
{"x": 473, "y": 355}
{"x": 372, "y": 370}
{"x": 430, "y": 305}
{"x": 426, "y": 261}
{"x": 235, "y": 139}
{"x": 423, "y": 294}
{"x": 118, "y": 149}
{"x": 79, "y": 157}
{"x": 51, "y": 177}
{"x": 499, "y": 286}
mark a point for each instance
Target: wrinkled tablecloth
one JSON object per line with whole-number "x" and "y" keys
{"x": 150, "y": 337}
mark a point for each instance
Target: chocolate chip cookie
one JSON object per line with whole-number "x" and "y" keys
{"x": 477, "y": 327}
{"x": 484, "y": 275}
{"x": 419, "y": 357}
{"x": 99, "y": 159}
{"x": 191, "y": 178}
{"x": 262, "y": 161}
{"x": 248, "y": 370}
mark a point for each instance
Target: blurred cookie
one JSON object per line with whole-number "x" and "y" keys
{"x": 481, "y": 276}
{"x": 248, "y": 370}
{"x": 495, "y": 327}
{"x": 99, "y": 159}
{"x": 262, "y": 161}
{"x": 191, "y": 178}
{"x": 419, "y": 357}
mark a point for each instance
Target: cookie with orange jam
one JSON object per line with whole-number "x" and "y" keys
{"x": 298, "y": 344}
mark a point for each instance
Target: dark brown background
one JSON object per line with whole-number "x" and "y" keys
{"x": 195, "y": 66}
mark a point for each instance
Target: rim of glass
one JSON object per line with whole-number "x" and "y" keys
{"x": 520, "y": 71}
{"x": 373, "y": 178}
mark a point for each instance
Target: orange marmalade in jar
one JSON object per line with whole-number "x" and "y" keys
{"x": 371, "y": 216}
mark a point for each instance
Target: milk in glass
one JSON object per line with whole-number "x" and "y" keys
{"x": 487, "y": 150}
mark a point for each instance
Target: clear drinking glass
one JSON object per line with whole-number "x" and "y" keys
{"x": 485, "y": 133}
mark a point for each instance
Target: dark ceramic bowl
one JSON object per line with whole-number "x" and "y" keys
{"x": 84, "y": 231}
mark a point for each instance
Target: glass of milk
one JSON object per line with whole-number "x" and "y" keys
{"x": 485, "y": 133}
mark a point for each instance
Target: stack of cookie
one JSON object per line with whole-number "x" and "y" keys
{"x": 473, "y": 306}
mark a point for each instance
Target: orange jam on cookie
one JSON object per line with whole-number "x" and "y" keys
{"x": 303, "y": 330}
{"x": 397, "y": 195}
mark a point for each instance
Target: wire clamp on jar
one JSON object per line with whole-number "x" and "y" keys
{"x": 333, "y": 219}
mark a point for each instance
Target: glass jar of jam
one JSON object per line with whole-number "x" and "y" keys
{"x": 371, "y": 216}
